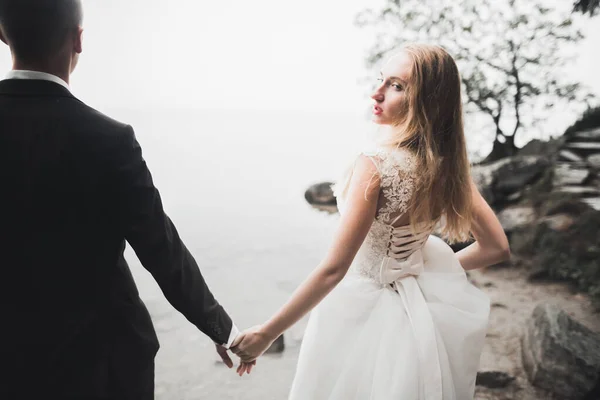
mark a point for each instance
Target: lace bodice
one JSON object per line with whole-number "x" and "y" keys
{"x": 397, "y": 171}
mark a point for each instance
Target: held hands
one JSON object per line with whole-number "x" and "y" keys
{"x": 243, "y": 367}
{"x": 250, "y": 345}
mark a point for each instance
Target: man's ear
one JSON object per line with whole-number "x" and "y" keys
{"x": 78, "y": 42}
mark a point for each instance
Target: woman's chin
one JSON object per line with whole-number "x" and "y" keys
{"x": 377, "y": 119}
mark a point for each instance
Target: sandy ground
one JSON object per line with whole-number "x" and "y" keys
{"x": 513, "y": 300}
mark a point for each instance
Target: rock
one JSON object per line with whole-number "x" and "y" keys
{"x": 594, "y": 160}
{"x": 590, "y": 134}
{"x": 559, "y": 222}
{"x": 514, "y": 197}
{"x": 592, "y": 202}
{"x": 566, "y": 174}
{"x": 483, "y": 176}
{"x": 579, "y": 190}
{"x": 559, "y": 354}
{"x": 320, "y": 194}
{"x": 505, "y": 179}
{"x": 585, "y": 148}
{"x": 494, "y": 379}
{"x": 539, "y": 274}
{"x": 516, "y": 217}
{"x": 538, "y": 147}
{"x": 518, "y": 173}
{"x": 277, "y": 347}
{"x": 456, "y": 247}
{"x": 569, "y": 156}
{"x": 594, "y": 394}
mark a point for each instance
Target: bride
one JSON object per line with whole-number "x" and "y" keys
{"x": 393, "y": 314}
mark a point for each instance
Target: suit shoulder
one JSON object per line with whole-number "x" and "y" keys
{"x": 96, "y": 134}
{"x": 98, "y": 119}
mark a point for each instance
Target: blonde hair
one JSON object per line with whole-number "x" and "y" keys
{"x": 431, "y": 127}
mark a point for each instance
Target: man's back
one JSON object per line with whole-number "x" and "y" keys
{"x": 74, "y": 188}
{"x": 61, "y": 242}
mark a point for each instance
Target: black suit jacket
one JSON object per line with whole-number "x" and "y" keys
{"x": 73, "y": 188}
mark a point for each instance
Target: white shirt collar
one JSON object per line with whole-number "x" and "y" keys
{"x": 23, "y": 74}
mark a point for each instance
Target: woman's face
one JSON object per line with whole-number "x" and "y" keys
{"x": 390, "y": 98}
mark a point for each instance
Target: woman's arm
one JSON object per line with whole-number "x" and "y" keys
{"x": 359, "y": 213}
{"x": 491, "y": 244}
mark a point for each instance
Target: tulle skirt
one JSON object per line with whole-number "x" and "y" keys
{"x": 366, "y": 341}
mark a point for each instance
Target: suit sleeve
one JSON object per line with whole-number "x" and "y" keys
{"x": 156, "y": 242}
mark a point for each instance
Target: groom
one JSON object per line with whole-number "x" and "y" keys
{"x": 74, "y": 188}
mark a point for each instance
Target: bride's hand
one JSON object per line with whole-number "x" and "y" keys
{"x": 252, "y": 344}
{"x": 245, "y": 367}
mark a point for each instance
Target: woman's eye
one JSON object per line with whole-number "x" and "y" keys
{"x": 396, "y": 86}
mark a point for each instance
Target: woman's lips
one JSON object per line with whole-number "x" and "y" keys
{"x": 377, "y": 110}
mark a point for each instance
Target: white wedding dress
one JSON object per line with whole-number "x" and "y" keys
{"x": 404, "y": 323}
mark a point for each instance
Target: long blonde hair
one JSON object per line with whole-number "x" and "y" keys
{"x": 431, "y": 127}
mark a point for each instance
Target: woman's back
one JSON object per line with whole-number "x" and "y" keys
{"x": 391, "y": 235}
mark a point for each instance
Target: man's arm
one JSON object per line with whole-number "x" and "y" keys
{"x": 156, "y": 242}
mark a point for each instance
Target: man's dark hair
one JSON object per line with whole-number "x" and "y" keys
{"x": 36, "y": 29}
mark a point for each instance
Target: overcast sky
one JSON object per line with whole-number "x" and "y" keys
{"x": 262, "y": 54}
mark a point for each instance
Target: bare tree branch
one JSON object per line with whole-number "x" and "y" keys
{"x": 517, "y": 104}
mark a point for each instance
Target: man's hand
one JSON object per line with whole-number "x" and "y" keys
{"x": 222, "y": 351}
{"x": 251, "y": 344}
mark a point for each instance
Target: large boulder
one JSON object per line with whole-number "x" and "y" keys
{"x": 516, "y": 217}
{"x": 564, "y": 242}
{"x": 484, "y": 175}
{"x": 278, "y": 346}
{"x": 590, "y": 135}
{"x": 320, "y": 194}
{"x": 504, "y": 180}
{"x": 569, "y": 174}
{"x": 559, "y": 354}
{"x": 494, "y": 379}
{"x": 594, "y": 160}
{"x": 537, "y": 147}
{"x": 518, "y": 173}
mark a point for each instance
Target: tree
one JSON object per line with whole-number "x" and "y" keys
{"x": 510, "y": 54}
{"x": 587, "y": 6}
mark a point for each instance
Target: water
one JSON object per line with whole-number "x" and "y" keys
{"x": 233, "y": 183}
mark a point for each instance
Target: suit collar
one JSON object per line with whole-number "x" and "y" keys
{"x": 33, "y": 87}
{"x": 39, "y": 75}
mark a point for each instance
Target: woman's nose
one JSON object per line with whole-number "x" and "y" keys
{"x": 377, "y": 96}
